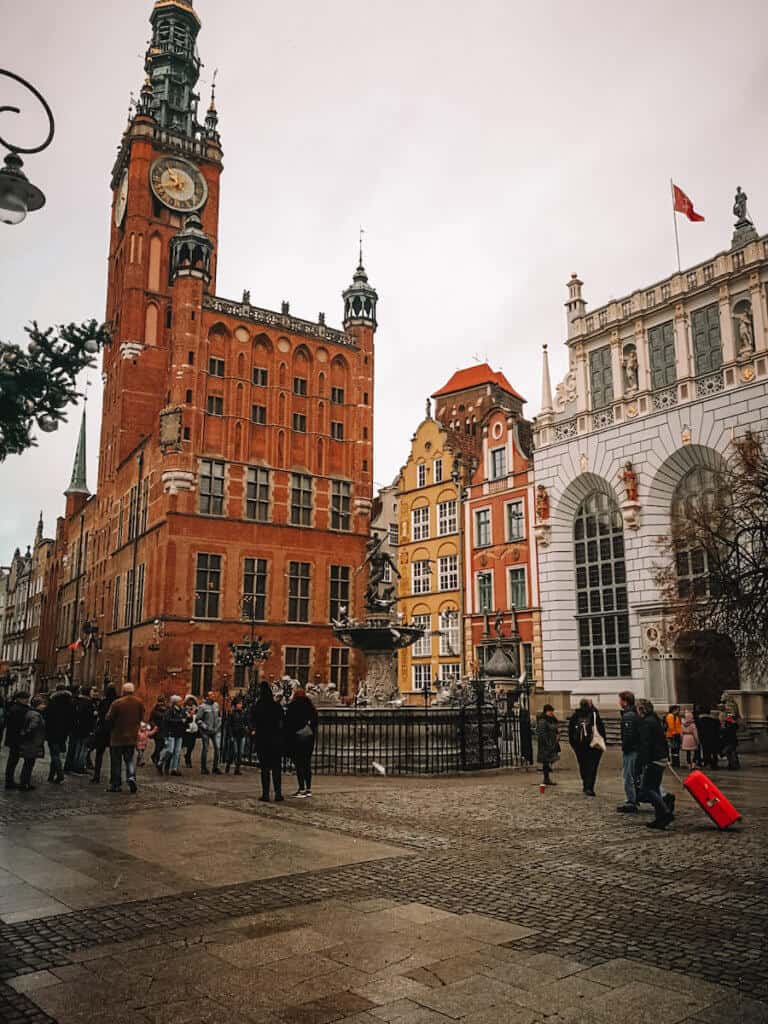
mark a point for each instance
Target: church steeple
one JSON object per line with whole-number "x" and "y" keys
{"x": 360, "y": 299}
{"x": 77, "y": 493}
{"x": 173, "y": 66}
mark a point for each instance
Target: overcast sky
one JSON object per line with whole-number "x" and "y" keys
{"x": 488, "y": 148}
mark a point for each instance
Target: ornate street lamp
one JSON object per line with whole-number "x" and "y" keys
{"x": 18, "y": 196}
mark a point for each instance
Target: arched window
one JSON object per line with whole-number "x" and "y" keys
{"x": 695, "y": 497}
{"x": 601, "y": 589}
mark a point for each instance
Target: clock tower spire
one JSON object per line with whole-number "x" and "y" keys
{"x": 173, "y": 66}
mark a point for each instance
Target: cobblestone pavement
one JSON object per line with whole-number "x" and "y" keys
{"x": 417, "y": 901}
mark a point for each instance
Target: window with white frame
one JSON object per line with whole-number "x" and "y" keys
{"x": 423, "y": 646}
{"x": 437, "y": 471}
{"x": 446, "y": 517}
{"x": 394, "y": 534}
{"x": 421, "y": 475}
{"x": 485, "y": 591}
{"x": 450, "y": 672}
{"x": 498, "y": 463}
{"x": 422, "y": 675}
{"x": 482, "y": 527}
{"x": 515, "y": 520}
{"x": 518, "y": 597}
{"x": 387, "y": 573}
{"x": 420, "y": 523}
{"x": 421, "y": 575}
{"x": 448, "y": 572}
{"x": 449, "y": 634}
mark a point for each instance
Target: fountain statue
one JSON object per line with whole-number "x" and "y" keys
{"x": 381, "y": 635}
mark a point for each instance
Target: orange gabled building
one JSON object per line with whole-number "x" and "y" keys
{"x": 499, "y": 547}
{"x": 236, "y": 450}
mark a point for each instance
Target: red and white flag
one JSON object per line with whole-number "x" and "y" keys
{"x": 682, "y": 204}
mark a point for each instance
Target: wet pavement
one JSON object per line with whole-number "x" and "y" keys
{"x": 418, "y": 901}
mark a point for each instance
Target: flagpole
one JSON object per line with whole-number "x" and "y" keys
{"x": 674, "y": 219}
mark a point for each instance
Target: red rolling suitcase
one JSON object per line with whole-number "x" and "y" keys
{"x": 711, "y": 800}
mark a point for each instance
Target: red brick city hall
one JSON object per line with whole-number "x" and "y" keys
{"x": 236, "y": 447}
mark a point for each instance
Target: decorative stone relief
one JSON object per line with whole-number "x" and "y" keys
{"x": 542, "y": 532}
{"x": 583, "y": 462}
{"x": 170, "y": 430}
{"x": 744, "y": 329}
{"x": 177, "y": 480}
{"x": 565, "y": 392}
{"x": 131, "y": 349}
{"x": 542, "y": 503}
{"x": 630, "y": 366}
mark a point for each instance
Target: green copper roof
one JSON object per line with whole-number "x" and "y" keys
{"x": 78, "y": 485}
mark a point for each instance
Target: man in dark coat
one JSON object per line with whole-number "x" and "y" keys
{"x": 31, "y": 741}
{"x": 125, "y": 715}
{"x": 709, "y": 737}
{"x": 83, "y": 725}
{"x": 629, "y": 740}
{"x": 14, "y": 722}
{"x": 59, "y": 718}
{"x": 267, "y": 723}
{"x": 156, "y": 721}
{"x": 547, "y": 737}
{"x": 652, "y": 754}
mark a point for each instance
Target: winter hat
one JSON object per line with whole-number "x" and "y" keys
{"x": 175, "y": 698}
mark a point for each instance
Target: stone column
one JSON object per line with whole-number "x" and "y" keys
{"x": 582, "y": 384}
{"x": 641, "y": 347}
{"x": 726, "y": 326}
{"x": 616, "y": 368}
{"x": 757, "y": 296}
{"x": 682, "y": 358}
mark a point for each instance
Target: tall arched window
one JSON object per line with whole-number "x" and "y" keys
{"x": 695, "y": 497}
{"x": 601, "y": 589}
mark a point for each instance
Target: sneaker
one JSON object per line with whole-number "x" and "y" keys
{"x": 550, "y": 782}
{"x": 114, "y": 789}
{"x": 299, "y": 792}
{"x": 308, "y": 792}
{"x": 302, "y": 795}
{"x": 204, "y": 771}
{"x": 669, "y": 800}
{"x": 627, "y": 809}
{"x": 132, "y": 785}
{"x": 217, "y": 771}
{"x": 589, "y": 792}
{"x": 264, "y": 799}
{"x": 660, "y": 823}
{"x": 279, "y": 798}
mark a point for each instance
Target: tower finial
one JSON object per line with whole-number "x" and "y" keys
{"x": 546, "y": 384}
{"x": 360, "y": 261}
{"x": 78, "y": 484}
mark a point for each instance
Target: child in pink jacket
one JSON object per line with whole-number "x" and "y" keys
{"x": 145, "y": 735}
{"x": 690, "y": 742}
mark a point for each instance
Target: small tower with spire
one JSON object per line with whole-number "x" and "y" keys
{"x": 77, "y": 493}
{"x": 575, "y": 306}
{"x": 360, "y": 298}
{"x": 173, "y": 66}
{"x": 212, "y": 117}
{"x": 545, "y": 419}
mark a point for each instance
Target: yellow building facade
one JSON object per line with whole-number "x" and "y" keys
{"x": 429, "y": 561}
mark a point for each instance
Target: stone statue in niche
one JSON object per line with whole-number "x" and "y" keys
{"x": 629, "y": 476}
{"x": 746, "y": 331}
{"x": 630, "y": 364}
{"x": 542, "y": 503}
{"x": 565, "y": 391}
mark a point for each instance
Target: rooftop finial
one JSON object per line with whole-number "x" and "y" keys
{"x": 212, "y": 107}
{"x": 546, "y": 384}
{"x": 360, "y": 261}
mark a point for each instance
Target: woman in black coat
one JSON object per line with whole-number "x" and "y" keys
{"x": 301, "y": 729}
{"x": 584, "y": 725}
{"x": 267, "y": 723}
{"x": 101, "y": 731}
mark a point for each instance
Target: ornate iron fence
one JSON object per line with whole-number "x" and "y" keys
{"x": 418, "y": 741}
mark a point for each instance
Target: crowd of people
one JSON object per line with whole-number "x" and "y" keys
{"x": 80, "y": 725}
{"x": 648, "y": 745}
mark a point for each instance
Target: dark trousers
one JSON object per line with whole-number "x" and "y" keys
{"x": 188, "y": 746}
{"x": 159, "y": 744}
{"x": 99, "y": 760}
{"x": 589, "y": 761}
{"x": 711, "y": 757}
{"x": 271, "y": 766}
{"x": 117, "y": 757}
{"x": 302, "y": 758}
{"x": 14, "y": 756}
{"x": 650, "y": 790}
{"x": 25, "y": 779}
{"x": 56, "y": 750}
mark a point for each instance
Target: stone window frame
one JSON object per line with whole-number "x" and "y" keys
{"x": 420, "y": 523}
{"x": 214, "y": 471}
{"x": 299, "y": 592}
{"x": 297, "y": 661}
{"x": 339, "y": 590}
{"x": 257, "y": 497}
{"x": 209, "y": 569}
{"x": 203, "y": 662}
{"x": 255, "y": 588}
{"x": 302, "y": 499}
{"x": 341, "y": 503}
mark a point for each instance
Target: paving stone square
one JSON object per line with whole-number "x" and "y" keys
{"x": 417, "y": 901}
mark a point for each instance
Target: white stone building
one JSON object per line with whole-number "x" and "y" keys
{"x": 659, "y": 384}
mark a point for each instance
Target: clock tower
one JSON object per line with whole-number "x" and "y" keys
{"x": 167, "y": 168}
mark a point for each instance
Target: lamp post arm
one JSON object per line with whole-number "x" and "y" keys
{"x": 15, "y": 110}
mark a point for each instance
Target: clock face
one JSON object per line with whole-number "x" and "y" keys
{"x": 178, "y": 184}
{"x": 121, "y": 199}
